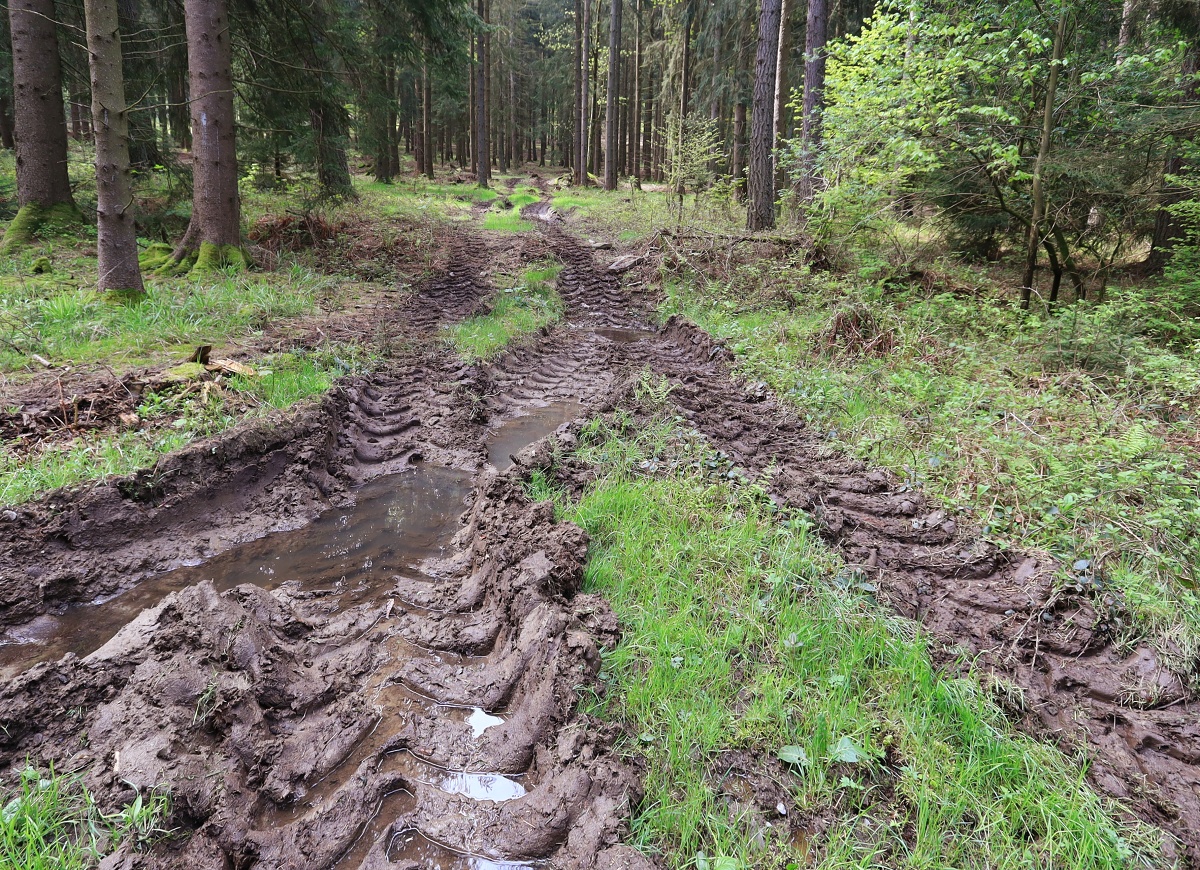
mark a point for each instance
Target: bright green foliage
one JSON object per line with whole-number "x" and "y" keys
{"x": 742, "y": 631}
{"x": 516, "y": 312}
{"x": 1072, "y": 435}
{"x": 51, "y": 822}
{"x": 944, "y": 107}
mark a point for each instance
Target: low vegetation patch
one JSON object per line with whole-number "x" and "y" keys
{"x": 752, "y": 659}
{"x": 520, "y": 310}
{"x": 1071, "y": 433}
{"x": 50, "y": 822}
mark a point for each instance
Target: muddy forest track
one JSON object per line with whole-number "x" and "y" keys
{"x": 397, "y": 685}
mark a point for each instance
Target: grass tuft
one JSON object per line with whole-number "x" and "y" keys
{"x": 516, "y": 312}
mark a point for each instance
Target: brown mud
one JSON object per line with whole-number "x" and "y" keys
{"x": 345, "y": 636}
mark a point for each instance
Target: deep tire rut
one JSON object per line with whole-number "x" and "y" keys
{"x": 379, "y": 702}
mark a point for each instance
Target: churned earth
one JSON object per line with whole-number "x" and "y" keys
{"x": 346, "y": 635}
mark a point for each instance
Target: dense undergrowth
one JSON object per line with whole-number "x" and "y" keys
{"x": 1071, "y": 432}
{"x": 745, "y": 637}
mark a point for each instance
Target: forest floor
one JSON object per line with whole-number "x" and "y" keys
{"x": 505, "y": 528}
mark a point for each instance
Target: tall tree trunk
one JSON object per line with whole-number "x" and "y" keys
{"x": 482, "y": 150}
{"x": 585, "y": 52}
{"x": 635, "y": 144}
{"x": 39, "y": 123}
{"x": 611, "y": 120}
{"x": 761, "y": 213}
{"x": 116, "y": 234}
{"x": 426, "y": 122}
{"x": 781, "y": 82}
{"x": 1129, "y": 11}
{"x": 737, "y": 162}
{"x": 6, "y": 130}
{"x": 1039, "y": 195}
{"x": 815, "y": 39}
{"x": 215, "y": 233}
{"x": 419, "y": 131}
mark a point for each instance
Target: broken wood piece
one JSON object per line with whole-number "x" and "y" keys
{"x": 232, "y": 367}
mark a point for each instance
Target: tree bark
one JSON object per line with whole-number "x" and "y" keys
{"x": 584, "y": 102}
{"x": 117, "y": 250}
{"x": 815, "y": 39}
{"x": 6, "y": 130}
{"x": 611, "y": 120}
{"x": 1039, "y": 195}
{"x": 215, "y": 232}
{"x": 737, "y": 158}
{"x": 426, "y": 120}
{"x": 761, "y": 213}
{"x": 635, "y": 121}
{"x": 781, "y": 80}
{"x": 39, "y": 123}
{"x": 482, "y": 149}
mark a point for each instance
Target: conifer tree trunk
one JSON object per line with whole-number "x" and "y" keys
{"x": 781, "y": 78}
{"x": 815, "y": 39}
{"x": 6, "y": 130}
{"x": 737, "y": 169}
{"x": 635, "y": 120}
{"x": 116, "y": 234}
{"x": 1034, "y": 240}
{"x": 761, "y": 182}
{"x": 214, "y": 235}
{"x": 426, "y": 120}
{"x": 482, "y": 148}
{"x": 39, "y": 123}
{"x": 614, "y": 90}
{"x": 584, "y": 100}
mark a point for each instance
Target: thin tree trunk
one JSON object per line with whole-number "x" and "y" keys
{"x": 761, "y": 213}
{"x": 815, "y": 39}
{"x": 215, "y": 233}
{"x": 6, "y": 130}
{"x": 116, "y": 247}
{"x": 584, "y": 101}
{"x": 635, "y": 143}
{"x": 737, "y": 168}
{"x": 611, "y": 120}
{"x": 1168, "y": 226}
{"x": 482, "y": 150}
{"x": 40, "y": 131}
{"x": 1129, "y": 12}
{"x": 1039, "y": 196}
{"x": 426, "y": 122}
{"x": 781, "y": 81}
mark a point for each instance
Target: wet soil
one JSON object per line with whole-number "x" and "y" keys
{"x": 346, "y": 637}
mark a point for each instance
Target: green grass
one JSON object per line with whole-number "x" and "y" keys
{"x": 520, "y": 200}
{"x": 1073, "y": 435}
{"x": 507, "y": 222}
{"x": 69, "y": 323}
{"x": 742, "y": 631}
{"x": 51, "y": 822}
{"x": 521, "y": 310}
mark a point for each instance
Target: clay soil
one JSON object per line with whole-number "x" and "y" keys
{"x": 413, "y": 702}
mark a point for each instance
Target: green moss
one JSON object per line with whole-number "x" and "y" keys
{"x": 188, "y": 371}
{"x": 125, "y": 296}
{"x": 41, "y": 266}
{"x": 155, "y": 257}
{"x": 213, "y": 258}
{"x": 34, "y": 219}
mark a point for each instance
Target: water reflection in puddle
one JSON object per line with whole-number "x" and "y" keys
{"x": 423, "y": 853}
{"x": 481, "y": 721}
{"x": 477, "y": 786}
{"x": 522, "y": 431}
{"x": 397, "y": 521}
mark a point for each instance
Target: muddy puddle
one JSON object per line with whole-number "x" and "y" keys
{"x": 520, "y": 432}
{"x": 412, "y": 849}
{"x": 396, "y": 522}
